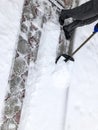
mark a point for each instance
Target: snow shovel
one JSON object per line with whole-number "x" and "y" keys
{"x": 70, "y": 57}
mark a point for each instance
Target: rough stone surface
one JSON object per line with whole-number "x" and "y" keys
{"x": 23, "y": 46}
{"x": 19, "y": 66}
{"x": 26, "y": 51}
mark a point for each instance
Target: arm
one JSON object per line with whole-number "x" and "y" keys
{"x": 88, "y": 21}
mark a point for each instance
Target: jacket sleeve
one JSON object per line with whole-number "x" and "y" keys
{"x": 79, "y": 23}
{"x": 95, "y": 6}
{"x": 88, "y": 21}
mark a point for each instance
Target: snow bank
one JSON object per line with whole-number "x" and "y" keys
{"x": 44, "y": 105}
{"x": 83, "y": 96}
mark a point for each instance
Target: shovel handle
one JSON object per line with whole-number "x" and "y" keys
{"x": 83, "y": 43}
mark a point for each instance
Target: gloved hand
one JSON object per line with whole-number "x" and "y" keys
{"x": 96, "y": 28}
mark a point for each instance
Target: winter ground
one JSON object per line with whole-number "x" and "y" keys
{"x": 83, "y": 104}
{"x": 45, "y": 104}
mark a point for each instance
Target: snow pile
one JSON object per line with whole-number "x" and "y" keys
{"x": 9, "y": 26}
{"x": 44, "y": 105}
{"x": 83, "y": 96}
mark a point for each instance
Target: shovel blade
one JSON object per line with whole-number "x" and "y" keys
{"x": 67, "y": 58}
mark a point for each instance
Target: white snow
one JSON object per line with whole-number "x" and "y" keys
{"x": 83, "y": 94}
{"x": 49, "y": 87}
{"x": 44, "y": 105}
{"x": 10, "y": 14}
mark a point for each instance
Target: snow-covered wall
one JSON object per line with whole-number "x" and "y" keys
{"x": 10, "y": 14}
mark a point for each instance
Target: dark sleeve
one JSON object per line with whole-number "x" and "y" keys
{"x": 83, "y": 11}
{"x": 88, "y": 21}
{"x": 95, "y": 5}
{"x": 79, "y": 23}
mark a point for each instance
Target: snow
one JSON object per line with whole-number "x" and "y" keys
{"x": 10, "y": 14}
{"x": 44, "y": 105}
{"x": 62, "y": 96}
{"x": 83, "y": 104}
